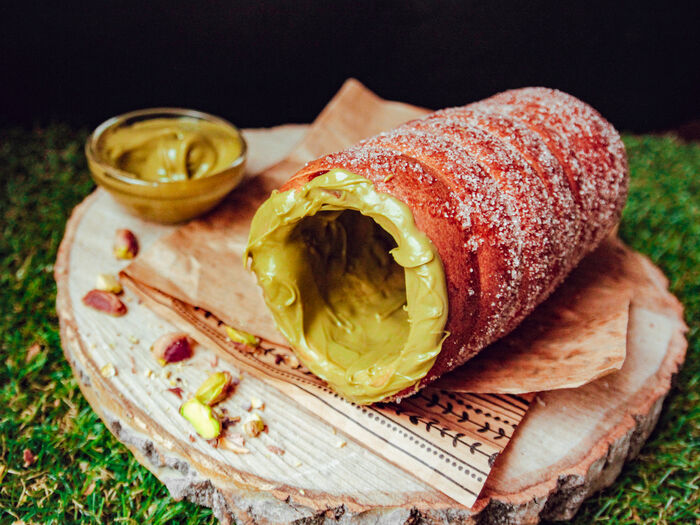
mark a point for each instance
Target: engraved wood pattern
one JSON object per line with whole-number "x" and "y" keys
{"x": 572, "y": 442}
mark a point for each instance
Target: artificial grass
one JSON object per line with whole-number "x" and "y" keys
{"x": 82, "y": 474}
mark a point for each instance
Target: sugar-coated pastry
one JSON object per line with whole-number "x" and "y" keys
{"x": 392, "y": 262}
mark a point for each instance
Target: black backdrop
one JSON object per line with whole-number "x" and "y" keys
{"x": 269, "y": 62}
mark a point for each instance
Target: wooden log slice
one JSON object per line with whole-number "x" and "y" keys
{"x": 571, "y": 444}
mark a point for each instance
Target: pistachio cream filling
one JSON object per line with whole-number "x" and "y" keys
{"x": 353, "y": 285}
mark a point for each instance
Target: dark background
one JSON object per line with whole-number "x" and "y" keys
{"x": 270, "y": 62}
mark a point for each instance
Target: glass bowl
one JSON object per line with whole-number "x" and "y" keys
{"x": 163, "y": 201}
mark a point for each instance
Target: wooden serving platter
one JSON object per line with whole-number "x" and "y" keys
{"x": 571, "y": 444}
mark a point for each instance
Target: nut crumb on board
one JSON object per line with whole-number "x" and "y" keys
{"x": 233, "y": 447}
{"x": 276, "y": 450}
{"x": 254, "y": 425}
{"x": 177, "y": 391}
{"x": 108, "y": 370}
{"x": 172, "y": 347}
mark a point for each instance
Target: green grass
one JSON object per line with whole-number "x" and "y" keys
{"x": 83, "y": 474}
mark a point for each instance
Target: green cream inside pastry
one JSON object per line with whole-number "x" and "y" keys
{"x": 354, "y": 286}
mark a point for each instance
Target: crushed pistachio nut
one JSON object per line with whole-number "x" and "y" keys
{"x": 201, "y": 418}
{"x": 108, "y": 283}
{"x": 236, "y": 438}
{"x": 172, "y": 348}
{"x": 177, "y": 391}
{"x": 215, "y": 388}
{"x": 126, "y": 246}
{"x": 105, "y": 302}
{"x": 108, "y": 370}
{"x": 254, "y": 425}
{"x": 233, "y": 447}
{"x": 239, "y": 336}
{"x": 228, "y": 421}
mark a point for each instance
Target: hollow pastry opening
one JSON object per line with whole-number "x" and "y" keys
{"x": 354, "y": 286}
{"x": 356, "y": 300}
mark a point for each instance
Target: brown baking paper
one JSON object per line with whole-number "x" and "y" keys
{"x": 579, "y": 334}
{"x": 448, "y": 438}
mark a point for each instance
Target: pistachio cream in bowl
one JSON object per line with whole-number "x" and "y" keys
{"x": 166, "y": 164}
